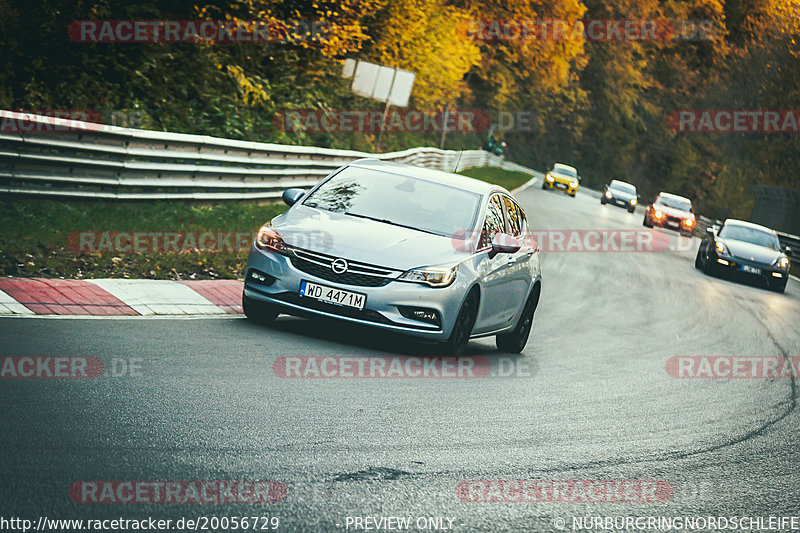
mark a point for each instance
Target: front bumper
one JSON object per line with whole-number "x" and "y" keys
{"x": 735, "y": 267}
{"x": 281, "y": 287}
{"x": 560, "y": 185}
{"x": 619, "y": 202}
{"x": 673, "y": 223}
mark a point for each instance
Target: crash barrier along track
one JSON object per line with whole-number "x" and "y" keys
{"x": 54, "y": 157}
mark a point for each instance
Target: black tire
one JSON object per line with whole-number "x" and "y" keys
{"x": 646, "y": 222}
{"x": 515, "y": 341}
{"x": 698, "y": 261}
{"x": 544, "y": 186}
{"x": 459, "y": 337}
{"x": 258, "y": 312}
{"x": 603, "y": 200}
{"x": 631, "y": 209}
{"x": 573, "y": 195}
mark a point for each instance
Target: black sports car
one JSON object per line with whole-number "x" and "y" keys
{"x": 620, "y": 193}
{"x": 745, "y": 250}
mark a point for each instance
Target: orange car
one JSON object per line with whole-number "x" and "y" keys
{"x": 672, "y": 212}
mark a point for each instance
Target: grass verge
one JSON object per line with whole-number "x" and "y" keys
{"x": 508, "y": 179}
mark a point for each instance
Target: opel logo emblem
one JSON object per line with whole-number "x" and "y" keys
{"x": 339, "y": 266}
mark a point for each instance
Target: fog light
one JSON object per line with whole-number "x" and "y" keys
{"x": 423, "y": 314}
{"x": 261, "y": 278}
{"x": 722, "y": 262}
{"x": 777, "y": 274}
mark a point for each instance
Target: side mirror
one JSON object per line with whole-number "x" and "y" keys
{"x": 787, "y": 250}
{"x": 292, "y": 196}
{"x": 503, "y": 243}
{"x": 711, "y": 231}
{"x": 579, "y": 179}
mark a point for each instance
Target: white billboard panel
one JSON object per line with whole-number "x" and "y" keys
{"x": 401, "y": 90}
{"x": 364, "y": 79}
{"x": 349, "y": 68}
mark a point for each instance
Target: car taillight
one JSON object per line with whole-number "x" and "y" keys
{"x": 269, "y": 239}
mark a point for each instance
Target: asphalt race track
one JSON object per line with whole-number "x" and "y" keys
{"x": 596, "y": 403}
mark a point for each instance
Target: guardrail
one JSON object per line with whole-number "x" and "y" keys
{"x": 53, "y": 157}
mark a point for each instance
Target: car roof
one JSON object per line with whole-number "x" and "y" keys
{"x": 620, "y": 182}
{"x": 564, "y": 167}
{"x": 744, "y": 223}
{"x": 447, "y": 178}
{"x": 674, "y": 196}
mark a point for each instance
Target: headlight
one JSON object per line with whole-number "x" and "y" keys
{"x": 549, "y": 178}
{"x": 573, "y": 184}
{"x": 269, "y": 239}
{"x": 720, "y": 248}
{"x": 633, "y": 202}
{"x": 782, "y": 262}
{"x": 608, "y": 194}
{"x": 659, "y": 214}
{"x": 432, "y": 276}
{"x": 688, "y": 221}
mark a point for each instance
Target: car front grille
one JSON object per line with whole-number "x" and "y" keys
{"x": 676, "y": 220}
{"x": 357, "y": 274}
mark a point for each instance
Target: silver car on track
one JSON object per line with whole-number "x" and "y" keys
{"x": 434, "y": 255}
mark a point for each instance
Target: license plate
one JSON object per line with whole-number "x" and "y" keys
{"x": 332, "y": 296}
{"x": 673, "y": 224}
{"x": 751, "y": 270}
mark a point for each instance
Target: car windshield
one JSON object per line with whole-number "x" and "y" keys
{"x": 623, "y": 187}
{"x": 569, "y": 172}
{"x": 674, "y": 203}
{"x": 398, "y": 200}
{"x": 752, "y": 235}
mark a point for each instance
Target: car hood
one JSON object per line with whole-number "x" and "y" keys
{"x": 562, "y": 177}
{"x": 366, "y": 241}
{"x": 671, "y": 211}
{"x": 751, "y": 252}
{"x": 622, "y": 195}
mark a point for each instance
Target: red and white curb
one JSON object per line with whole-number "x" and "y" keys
{"x": 118, "y": 297}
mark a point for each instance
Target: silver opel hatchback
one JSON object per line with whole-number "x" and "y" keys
{"x": 434, "y": 255}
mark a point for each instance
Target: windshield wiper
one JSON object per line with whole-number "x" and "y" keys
{"x": 392, "y": 223}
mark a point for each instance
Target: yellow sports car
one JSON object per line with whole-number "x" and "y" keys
{"x": 562, "y": 178}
